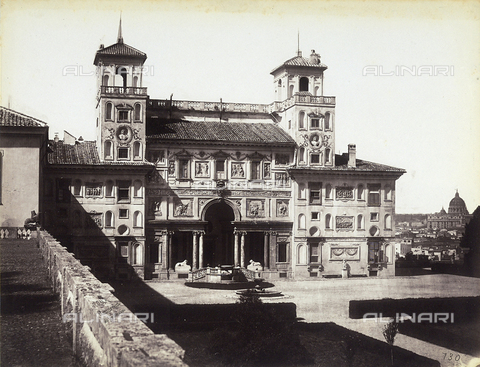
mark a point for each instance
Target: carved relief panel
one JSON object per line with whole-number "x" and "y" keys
{"x": 256, "y": 208}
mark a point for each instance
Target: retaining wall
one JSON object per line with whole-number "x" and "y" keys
{"x": 104, "y": 332}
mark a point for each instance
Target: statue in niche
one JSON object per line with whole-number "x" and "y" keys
{"x": 157, "y": 210}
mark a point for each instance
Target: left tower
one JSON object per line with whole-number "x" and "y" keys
{"x": 121, "y": 102}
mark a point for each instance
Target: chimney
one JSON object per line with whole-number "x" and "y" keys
{"x": 314, "y": 58}
{"x": 56, "y": 138}
{"x": 352, "y": 155}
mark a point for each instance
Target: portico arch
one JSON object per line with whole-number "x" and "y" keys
{"x": 218, "y": 240}
{"x": 236, "y": 211}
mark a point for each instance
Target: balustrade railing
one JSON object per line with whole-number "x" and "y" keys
{"x": 239, "y": 107}
{"x": 123, "y": 90}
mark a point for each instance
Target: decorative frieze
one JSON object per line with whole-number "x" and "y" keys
{"x": 344, "y": 223}
{"x": 282, "y": 208}
{"x": 344, "y": 253}
{"x": 256, "y": 208}
{"x": 183, "y": 208}
{"x": 215, "y": 193}
{"x": 344, "y": 193}
{"x": 93, "y": 190}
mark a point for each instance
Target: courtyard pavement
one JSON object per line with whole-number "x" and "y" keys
{"x": 328, "y": 301}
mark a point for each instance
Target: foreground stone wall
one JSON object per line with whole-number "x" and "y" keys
{"x": 104, "y": 332}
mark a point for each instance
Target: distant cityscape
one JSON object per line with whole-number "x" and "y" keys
{"x": 433, "y": 237}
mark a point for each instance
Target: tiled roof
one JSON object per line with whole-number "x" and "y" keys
{"x": 81, "y": 154}
{"x": 120, "y": 49}
{"x": 9, "y": 117}
{"x": 341, "y": 164}
{"x": 300, "y": 61}
{"x": 235, "y": 132}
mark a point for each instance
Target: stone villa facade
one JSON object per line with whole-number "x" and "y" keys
{"x": 217, "y": 183}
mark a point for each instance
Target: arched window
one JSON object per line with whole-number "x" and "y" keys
{"x": 301, "y": 254}
{"x": 137, "y": 252}
{"x": 304, "y": 84}
{"x": 138, "y": 219}
{"x": 301, "y": 221}
{"x": 109, "y": 219}
{"x": 135, "y": 81}
{"x": 137, "y": 150}
{"x": 327, "y": 121}
{"x": 388, "y": 192}
{"x": 328, "y": 191}
{"x": 108, "y": 150}
{"x": 301, "y": 191}
{"x": 360, "y": 191}
{"x": 328, "y": 221}
{"x": 360, "y": 224}
{"x": 105, "y": 80}
{"x": 77, "y": 188}
{"x": 328, "y": 152}
{"x": 138, "y": 110}
{"x": 279, "y": 90}
{"x": 301, "y": 122}
{"x": 137, "y": 189}
{"x": 109, "y": 189}
{"x": 388, "y": 221}
{"x": 301, "y": 155}
{"x": 108, "y": 111}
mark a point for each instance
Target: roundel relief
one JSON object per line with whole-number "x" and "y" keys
{"x": 124, "y": 134}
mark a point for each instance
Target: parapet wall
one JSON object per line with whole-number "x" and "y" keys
{"x": 104, "y": 332}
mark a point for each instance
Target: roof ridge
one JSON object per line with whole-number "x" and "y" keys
{"x": 23, "y": 115}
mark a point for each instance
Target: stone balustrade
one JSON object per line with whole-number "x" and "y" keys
{"x": 104, "y": 331}
{"x": 242, "y": 107}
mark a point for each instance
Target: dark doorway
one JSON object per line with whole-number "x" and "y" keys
{"x": 254, "y": 247}
{"x": 218, "y": 243}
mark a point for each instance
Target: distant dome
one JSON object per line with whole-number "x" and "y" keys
{"x": 443, "y": 211}
{"x": 457, "y": 205}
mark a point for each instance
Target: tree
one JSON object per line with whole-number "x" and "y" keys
{"x": 389, "y": 332}
{"x": 471, "y": 240}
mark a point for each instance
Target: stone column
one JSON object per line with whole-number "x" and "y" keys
{"x": 235, "y": 249}
{"x": 169, "y": 250}
{"x": 195, "y": 251}
{"x": 163, "y": 246}
{"x": 266, "y": 265}
{"x": 200, "y": 249}
{"x": 273, "y": 249}
{"x": 242, "y": 249}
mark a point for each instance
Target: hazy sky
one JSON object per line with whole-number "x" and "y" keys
{"x": 427, "y": 123}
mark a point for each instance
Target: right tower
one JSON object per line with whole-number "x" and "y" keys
{"x": 307, "y": 115}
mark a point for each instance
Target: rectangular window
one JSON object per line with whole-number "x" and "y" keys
{"x": 123, "y": 213}
{"x": 282, "y": 252}
{"x": 183, "y": 166}
{"x": 123, "y": 153}
{"x": 123, "y": 191}
{"x": 374, "y": 194}
{"x": 373, "y": 217}
{"x": 314, "y": 252}
{"x": 315, "y": 215}
{"x": 220, "y": 170}
{"x": 255, "y": 171}
{"x": 315, "y": 123}
{"x": 122, "y": 115}
{"x": 375, "y": 252}
{"x": 315, "y": 158}
{"x": 315, "y": 192}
